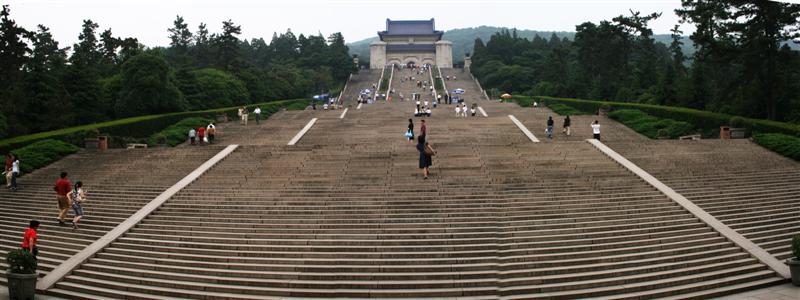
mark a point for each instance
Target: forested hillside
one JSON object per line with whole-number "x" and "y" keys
{"x": 742, "y": 64}
{"x": 464, "y": 38}
{"x": 45, "y": 86}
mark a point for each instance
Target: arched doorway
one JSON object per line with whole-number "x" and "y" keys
{"x": 411, "y": 64}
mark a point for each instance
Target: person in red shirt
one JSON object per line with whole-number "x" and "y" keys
{"x": 423, "y": 129}
{"x": 62, "y": 188}
{"x": 201, "y": 132}
{"x": 30, "y": 238}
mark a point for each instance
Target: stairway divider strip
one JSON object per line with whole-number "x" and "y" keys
{"x": 483, "y": 112}
{"x": 302, "y": 132}
{"x": 756, "y": 251}
{"x": 524, "y": 129}
{"x": 90, "y": 251}
{"x": 344, "y": 112}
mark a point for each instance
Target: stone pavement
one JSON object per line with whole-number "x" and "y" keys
{"x": 4, "y": 295}
{"x": 786, "y": 291}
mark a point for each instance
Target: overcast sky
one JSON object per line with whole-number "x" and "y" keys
{"x": 148, "y": 20}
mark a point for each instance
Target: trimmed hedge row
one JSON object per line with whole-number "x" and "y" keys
{"x": 136, "y": 129}
{"x": 782, "y": 144}
{"x": 176, "y": 133}
{"x": 565, "y": 110}
{"x": 41, "y": 154}
{"x": 708, "y": 122}
{"x": 651, "y": 126}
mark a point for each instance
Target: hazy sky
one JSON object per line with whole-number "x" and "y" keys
{"x": 148, "y": 20}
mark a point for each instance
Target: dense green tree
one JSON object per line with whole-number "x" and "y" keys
{"x": 216, "y": 88}
{"x": 87, "y": 51}
{"x": 180, "y": 41}
{"x": 50, "y": 107}
{"x": 148, "y": 87}
{"x": 107, "y": 77}
{"x": 228, "y": 44}
{"x": 339, "y": 60}
{"x": 14, "y": 53}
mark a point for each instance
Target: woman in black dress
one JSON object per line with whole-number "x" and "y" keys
{"x": 411, "y": 129}
{"x": 425, "y": 159}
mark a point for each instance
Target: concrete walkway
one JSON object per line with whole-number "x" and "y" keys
{"x": 785, "y": 291}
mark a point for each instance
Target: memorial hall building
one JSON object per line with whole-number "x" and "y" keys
{"x": 414, "y": 42}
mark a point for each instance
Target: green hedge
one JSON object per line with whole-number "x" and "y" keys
{"x": 136, "y": 129}
{"x": 176, "y": 133}
{"x": 708, "y": 122}
{"x": 651, "y": 126}
{"x": 41, "y": 154}
{"x": 785, "y": 145}
{"x": 565, "y": 110}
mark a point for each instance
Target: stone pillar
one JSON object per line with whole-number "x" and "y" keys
{"x": 467, "y": 61}
{"x": 377, "y": 55}
{"x": 444, "y": 54}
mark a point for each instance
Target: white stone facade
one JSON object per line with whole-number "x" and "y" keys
{"x": 411, "y": 42}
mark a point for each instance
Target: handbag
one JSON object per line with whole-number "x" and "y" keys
{"x": 429, "y": 151}
{"x": 409, "y": 134}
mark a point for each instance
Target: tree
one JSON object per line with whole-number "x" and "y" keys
{"x": 738, "y": 44}
{"x": 108, "y": 53}
{"x": 228, "y": 45}
{"x": 675, "y": 47}
{"x": 14, "y": 52}
{"x": 148, "y": 87}
{"x": 202, "y": 47}
{"x": 87, "y": 52}
{"x": 180, "y": 41}
{"x": 129, "y": 47}
{"x": 218, "y": 88}
{"x": 645, "y": 58}
{"x": 50, "y": 108}
{"x": 339, "y": 60}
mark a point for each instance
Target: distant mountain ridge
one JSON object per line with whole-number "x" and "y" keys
{"x": 464, "y": 38}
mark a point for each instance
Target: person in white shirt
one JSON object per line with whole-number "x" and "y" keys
{"x": 14, "y": 172}
{"x": 464, "y": 110}
{"x": 426, "y": 103}
{"x": 257, "y": 111}
{"x": 428, "y": 111}
{"x": 458, "y": 111}
{"x": 417, "y": 104}
{"x": 416, "y": 112}
{"x": 472, "y": 111}
{"x": 596, "y": 130}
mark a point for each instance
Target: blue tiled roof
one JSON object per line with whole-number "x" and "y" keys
{"x": 411, "y": 48}
{"x": 410, "y": 27}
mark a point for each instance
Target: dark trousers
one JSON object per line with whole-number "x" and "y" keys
{"x": 258, "y": 119}
{"x": 14, "y": 180}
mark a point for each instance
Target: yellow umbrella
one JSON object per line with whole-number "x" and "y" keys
{"x": 505, "y": 96}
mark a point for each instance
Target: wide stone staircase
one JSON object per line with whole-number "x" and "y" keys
{"x": 749, "y": 188}
{"x": 463, "y": 80}
{"x": 118, "y": 183}
{"x": 345, "y": 213}
{"x": 363, "y": 79}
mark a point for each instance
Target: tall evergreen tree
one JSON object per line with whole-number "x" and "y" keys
{"x": 180, "y": 41}
{"x": 228, "y": 45}
{"x": 14, "y": 53}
